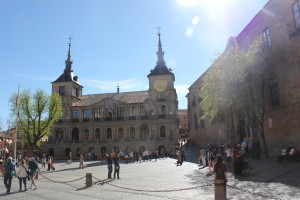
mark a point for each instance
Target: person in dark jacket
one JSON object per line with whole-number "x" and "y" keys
{"x": 10, "y": 170}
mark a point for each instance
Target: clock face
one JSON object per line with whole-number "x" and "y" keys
{"x": 160, "y": 85}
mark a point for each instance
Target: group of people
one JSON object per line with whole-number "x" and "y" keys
{"x": 113, "y": 157}
{"x": 291, "y": 153}
{"x": 232, "y": 157}
{"x": 26, "y": 169}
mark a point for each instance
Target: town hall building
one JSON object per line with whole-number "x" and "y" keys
{"x": 128, "y": 121}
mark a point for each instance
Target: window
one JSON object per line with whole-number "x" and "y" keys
{"x": 202, "y": 123}
{"x": 86, "y": 114}
{"x": 97, "y": 113}
{"x": 131, "y": 111}
{"x": 194, "y": 99}
{"x": 61, "y": 90}
{"x": 144, "y": 111}
{"x": 267, "y": 38}
{"x": 195, "y": 121}
{"x": 162, "y": 131}
{"x": 120, "y": 112}
{"x": 132, "y": 132}
{"x": 296, "y": 8}
{"x": 59, "y": 134}
{"x": 162, "y": 110}
{"x": 77, "y": 92}
{"x": 109, "y": 134}
{"x": 274, "y": 92}
{"x": 161, "y": 96}
{"x": 97, "y": 134}
{"x": 120, "y": 133}
{"x": 86, "y": 134}
{"x": 144, "y": 132}
{"x": 75, "y": 114}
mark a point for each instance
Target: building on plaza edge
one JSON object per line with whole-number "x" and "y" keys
{"x": 130, "y": 121}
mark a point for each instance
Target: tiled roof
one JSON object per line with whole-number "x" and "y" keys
{"x": 125, "y": 97}
{"x": 65, "y": 77}
{"x": 160, "y": 69}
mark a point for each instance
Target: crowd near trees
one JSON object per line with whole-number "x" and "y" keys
{"x": 235, "y": 86}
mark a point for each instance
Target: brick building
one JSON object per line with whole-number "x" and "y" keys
{"x": 279, "y": 25}
{"x": 183, "y": 120}
{"x": 133, "y": 121}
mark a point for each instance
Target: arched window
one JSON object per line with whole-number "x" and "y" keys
{"x": 109, "y": 134}
{"x": 59, "y": 134}
{"x": 86, "y": 134}
{"x": 75, "y": 134}
{"x": 132, "y": 132}
{"x": 162, "y": 131}
{"x": 144, "y": 131}
{"x": 120, "y": 133}
{"x": 77, "y": 92}
{"x": 97, "y": 134}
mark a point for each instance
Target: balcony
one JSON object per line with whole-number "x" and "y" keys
{"x": 119, "y": 118}
{"x": 97, "y": 119}
{"x": 132, "y": 117}
{"x": 293, "y": 29}
{"x": 86, "y": 119}
{"x": 108, "y": 118}
{"x": 161, "y": 99}
{"x": 162, "y": 116}
{"x": 75, "y": 120}
{"x": 143, "y": 117}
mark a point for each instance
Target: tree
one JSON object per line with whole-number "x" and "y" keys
{"x": 235, "y": 85}
{"x": 36, "y": 115}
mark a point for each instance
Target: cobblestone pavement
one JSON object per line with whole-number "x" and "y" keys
{"x": 161, "y": 179}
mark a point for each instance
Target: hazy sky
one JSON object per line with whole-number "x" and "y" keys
{"x": 115, "y": 41}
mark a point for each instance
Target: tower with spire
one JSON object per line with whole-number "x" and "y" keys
{"x": 161, "y": 78}
{"x": 67, "y": 84}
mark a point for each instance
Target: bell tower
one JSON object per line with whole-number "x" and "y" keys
{"x": 67, "y": 84}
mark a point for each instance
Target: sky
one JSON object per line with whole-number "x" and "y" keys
{"x": 114, "y": 41}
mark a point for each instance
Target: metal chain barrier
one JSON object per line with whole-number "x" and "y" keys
{"x": 61, "y": 181}
{"x": 257, "y": 194}
{"x": 167, "y": 190}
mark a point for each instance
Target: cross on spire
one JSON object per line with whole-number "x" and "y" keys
{"x": 158, "y": 29}
{"x": 70, "y": 39}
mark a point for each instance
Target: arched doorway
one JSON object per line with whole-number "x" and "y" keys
{"x": 161, "y": 150}
{"x": 67, "y": 151}
{"x": 79, "y": 152}
{"x": 103, "y": 150}
{"x": 141, "y": 149}
{"x": 51, "y": 152}
{"x": 75, "y": 134}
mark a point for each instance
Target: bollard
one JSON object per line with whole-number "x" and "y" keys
{"x": 88, "y": 182}
{"x": 220, "y": 189}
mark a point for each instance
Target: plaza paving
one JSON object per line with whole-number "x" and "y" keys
{"x": 161, "y": 179}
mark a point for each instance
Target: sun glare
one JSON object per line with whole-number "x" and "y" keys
{"x": 188, "y": 3}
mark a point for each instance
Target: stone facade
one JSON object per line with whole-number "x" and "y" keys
{"x": 128, "y": 121}
{"x": 183, "y": 120}
{"x": 279, "y": 24}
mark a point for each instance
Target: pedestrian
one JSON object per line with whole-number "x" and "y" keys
{"x": 81, "y": 161}
{"x": 22, "y": 174}
{"x": 10, "y": 171}
{"x": 203, "y": 156}
{"x": 44, "y": 161}
{"x": 69, "y": 159}
{"x": 182, "y": 156}
{"x": 210, "y": 158}
{"x": 51, "y": 163}
{"x": 34, "y": 169}
{"x": 220, "y": 171}
{"x": 116, "y": 159}
{"x": 109, "y": 164}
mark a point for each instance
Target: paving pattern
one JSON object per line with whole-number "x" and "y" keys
{"x": 161, "y": 179}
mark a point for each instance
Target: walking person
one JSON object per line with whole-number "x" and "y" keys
{"x": 69, "y": 159}
{"x": 203, "y": 157}
{"x": 10, "y": 171}
{"x": 109, "y": 164}
{"x": 220, "y": 171}
{"x": 22, "y": 174}
{"x": 44, "y": 161}
{"x": 116, "y": 159}
{"x": 81, "y": 161}
{"x": 34, "y": 169}
{"x": 210, "y": 158}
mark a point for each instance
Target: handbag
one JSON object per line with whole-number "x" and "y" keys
{"x": 27, "y": 171}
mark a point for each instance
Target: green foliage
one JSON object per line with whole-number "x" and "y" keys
{"x": 36, "y": 113}
{"x": 232, "y": 84}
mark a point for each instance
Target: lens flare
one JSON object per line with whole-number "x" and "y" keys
{"x": 195, "y": 20}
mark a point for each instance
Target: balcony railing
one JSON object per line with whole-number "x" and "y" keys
{"x": 122, "y": 118}
{"x": 293, "y": 29}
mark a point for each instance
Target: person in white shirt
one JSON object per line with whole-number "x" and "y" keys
{"x": 22, "y": 174}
